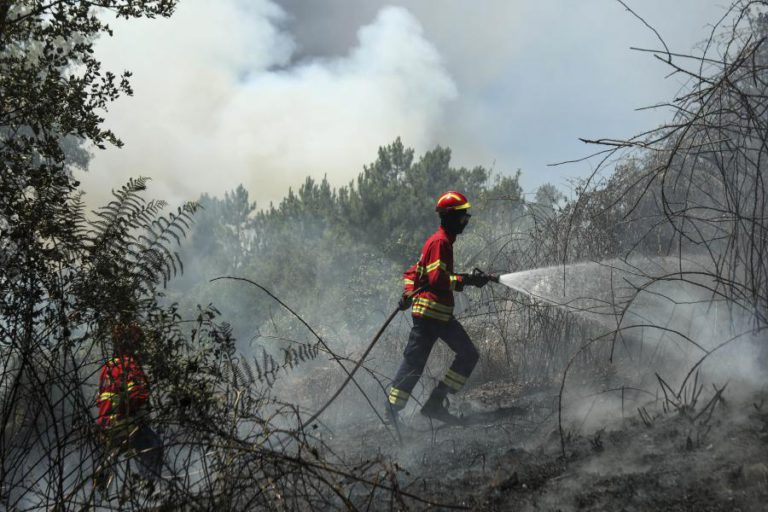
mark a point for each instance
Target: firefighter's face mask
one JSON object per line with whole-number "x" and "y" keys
{"x": 455, "y": 222}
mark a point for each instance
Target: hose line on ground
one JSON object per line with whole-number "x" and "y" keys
{"x": 359, "y": 363}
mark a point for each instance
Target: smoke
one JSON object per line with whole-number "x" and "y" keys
{"x": 219, "y": 102}
{"x": 666, "y": 324}
{"x": 533, "y": 76}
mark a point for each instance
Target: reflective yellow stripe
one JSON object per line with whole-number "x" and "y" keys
{"x": 435, "y": 265}
{"x": 454, "y": 380}
{"x": 450, "y": 195}
{"x": 454, "y": 280}
{"x": 130, "y": 385}
{"x": 408, "y": 281}
{"x": 454, "y": 387}
{"x": 422, "y": 311}
{"x": 431, "y": 304}
{"x": 431, "y": 314}
{"x": 461, "y": 379}
{"x": 106, "y": 395}
{"x": 431, "y": 309}
{"x": 398, "y": 396}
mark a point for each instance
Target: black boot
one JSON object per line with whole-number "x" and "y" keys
{"x": 436, "y": 409}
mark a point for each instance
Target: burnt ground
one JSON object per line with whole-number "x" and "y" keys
{"x": 513, "y": 460}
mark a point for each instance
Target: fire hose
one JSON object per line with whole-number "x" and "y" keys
{"x": 359, "y": 363}
{"x": 350, "y": 375}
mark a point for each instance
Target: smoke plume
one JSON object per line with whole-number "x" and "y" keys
{"x": 218, "y": 101}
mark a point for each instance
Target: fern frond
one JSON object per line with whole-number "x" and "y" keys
{"x": 248, "y": 371}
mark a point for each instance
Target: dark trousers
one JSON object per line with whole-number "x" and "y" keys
{"x": 142, "y": 441}
{"x": 424, "y": 334}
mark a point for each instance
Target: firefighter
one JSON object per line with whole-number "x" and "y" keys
{"x": 123, "y": 409}
{"x": 432, "y": 310}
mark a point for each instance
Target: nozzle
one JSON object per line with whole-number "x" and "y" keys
{"x": 491, "y": 277}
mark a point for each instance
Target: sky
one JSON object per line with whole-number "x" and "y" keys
{"x": 267, "y": 92}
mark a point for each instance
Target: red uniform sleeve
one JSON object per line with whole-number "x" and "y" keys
{"x": 409, "y": 279}
{"x": 136, "y": 384}
{"x": 438, "y": 259}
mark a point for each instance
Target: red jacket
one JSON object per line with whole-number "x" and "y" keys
{"x": 123, "y": 390}
{"x": 434, "y": 269}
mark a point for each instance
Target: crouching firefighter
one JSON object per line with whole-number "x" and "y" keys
{"x": 123, "y": 410}
{"x": 433, "y": 281}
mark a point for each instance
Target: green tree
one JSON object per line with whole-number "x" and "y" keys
{"x": 548, "y": 196}
{"x": 221, "y": 240}
{"x": 338, "y": 254}
{"x": 391, "y": 204}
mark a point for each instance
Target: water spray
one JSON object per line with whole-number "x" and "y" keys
{"x": 508, "y": 281}
{"x": 512, "y": 279}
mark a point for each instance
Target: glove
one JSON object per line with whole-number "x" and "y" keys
{"x": 404, "y": 302}
{"x": 478, "y": 280}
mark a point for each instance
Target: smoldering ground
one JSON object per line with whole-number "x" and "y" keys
{"x": 610, "y": 445}
{"x": 520, "y": 427}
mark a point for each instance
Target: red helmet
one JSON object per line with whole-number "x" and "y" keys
{"x": 452, "y": 201}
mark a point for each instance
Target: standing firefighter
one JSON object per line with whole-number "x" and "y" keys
{"x": 433, "y": 280}
{"x": 123, "y": 409}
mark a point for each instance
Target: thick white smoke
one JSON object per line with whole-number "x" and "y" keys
{"x": 217, "y": 104}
